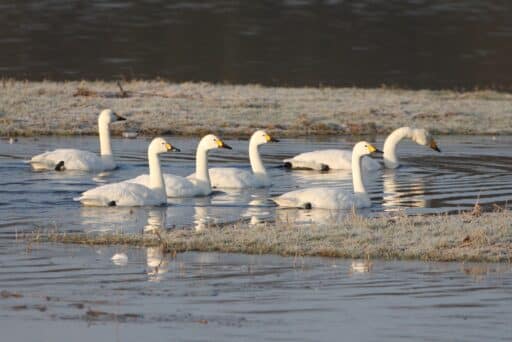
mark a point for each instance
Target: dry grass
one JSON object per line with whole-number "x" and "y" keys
{"x": 463, "y": 237}
{"x": 157, "y": 107}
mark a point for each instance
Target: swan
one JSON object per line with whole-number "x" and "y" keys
{"x": 79, "y": 160}
{"x": 131, "y": 194}
{"x": 231, "y": 177}
{"x": 197, "y": 184}
{"x": 341, "y": 159}
{"x": 333, "y": 198}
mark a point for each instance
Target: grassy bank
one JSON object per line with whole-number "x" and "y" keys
{"x": 463, "y": 237}
{"x": 157, "y": 107}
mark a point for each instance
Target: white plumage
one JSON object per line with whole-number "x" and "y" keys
{"x": 337, "y": 159}
{"x": 197, "y": 184}
{"x": 333, "y": 198}
{"x": 235, "y": 178}
{"x": 73, "y": 159}
{"x": 131, "y": 194}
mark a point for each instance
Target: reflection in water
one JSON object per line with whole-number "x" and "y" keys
{"x": 396, "y": 197}
{"x": 157, "y": 262}
{"x": 360, "y": 266}
{"x": 156, "y": 220}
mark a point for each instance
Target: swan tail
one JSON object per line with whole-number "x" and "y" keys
{"x": 305, "y": 165}
{"x": 94, "y": 202}
{"x": 290, "y": 203}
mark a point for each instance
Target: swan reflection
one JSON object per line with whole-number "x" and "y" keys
{"x": 407, "y": 193}
{"x": 157, "y": 263}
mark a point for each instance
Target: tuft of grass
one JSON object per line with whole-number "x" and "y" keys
{"x": 463, "y": 237}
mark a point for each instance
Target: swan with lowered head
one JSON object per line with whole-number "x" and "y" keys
{"x": 197, "y": 184}
{"x": 333, "y": 198}
{"x": 131, "y": 194}
{"x": 337, "y": 159}
{"x": 79, "y": 160}
{"x": 235, "y": 178}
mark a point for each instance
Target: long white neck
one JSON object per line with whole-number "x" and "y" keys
{"x": 156, "y": 178}
{"x": 105, "y": 147}
{"x": 202, "y": 164}
{"x": 357, "y": 176}
{"x": 390, "y": 158}
{"x": 255, "y": 159}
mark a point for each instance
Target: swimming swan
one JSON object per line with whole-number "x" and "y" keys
{"x": 231, "y": 177}
{"x": 131, "y": 194}
{"x": 197, "y": 184}
{"x": 341, "y": 159}
{"x": 73, "y": 159}
{"x": 333, "y": 198}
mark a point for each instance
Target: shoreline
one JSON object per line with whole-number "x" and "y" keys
{"x": 467, "y": 237}
{"x": 235, "y": 111}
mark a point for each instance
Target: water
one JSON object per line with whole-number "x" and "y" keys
{"x": 470, "y": 170}
{"x": 77, "y": 291}
{"x": 48, "y": 291}
{"x": 366, "y": 43}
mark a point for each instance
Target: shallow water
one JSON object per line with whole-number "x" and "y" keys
{"x": 470, "y": 170}
{"x": 77, "y": 291}
{"x": 48, "y": 291}
{"x": 366, "y": 43}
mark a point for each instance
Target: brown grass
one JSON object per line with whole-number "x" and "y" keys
{"x": 463, "y": 237}
{"x": 157, "y": 107}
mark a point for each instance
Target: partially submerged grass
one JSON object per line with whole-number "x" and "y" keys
{"x": 463, "y": 237}
{"x": 158, "y": 107}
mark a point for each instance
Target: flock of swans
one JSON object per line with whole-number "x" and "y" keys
{"x": 154, "y": 188}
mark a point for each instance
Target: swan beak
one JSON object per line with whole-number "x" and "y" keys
{"x": 373, "y": 149}
{"x": 271, "y": 139}
{"x": 222, "y": 144}
{"x": 171, "y": 148}
{"x": 433, "y": 146}
{"x": 119, "y": 117}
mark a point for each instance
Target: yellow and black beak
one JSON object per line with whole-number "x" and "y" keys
{"x": 373, "y": 149}
{"x": 433, "y": 146}
{"x": 222, "y": 144}
{"x": 172, "y": 148}
{"x": 271, "y": 139}
{"x": 119, "y": 117}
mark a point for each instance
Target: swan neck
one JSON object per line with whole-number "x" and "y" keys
{"x": 156, "y": 178}
{"x": 255, "y": 159}
{"x": 202, "y": 165}
{"x": 104, "y": 132}
{"x": 390, "y": 157}
{"x": 357, "y": 176}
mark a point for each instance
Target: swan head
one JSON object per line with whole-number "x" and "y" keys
{"x": 108, "y": 116}
{"x": 423, "y": 137}
{"x": 364, "y": 148}
{"x": 261, "y": 137}
{"x": 159, "y": 145}
{"x": 211, "y": 141}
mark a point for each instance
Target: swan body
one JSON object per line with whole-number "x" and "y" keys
{"x": 131, "y": 194}
{"x": 78, "y": 160}
{"x": 235, "y": 178}
{"x": 197, "y": 184}
{"x": 337, "y": 159}
{"x": 332, "y": 198}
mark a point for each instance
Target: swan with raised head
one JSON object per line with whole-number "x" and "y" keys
{"x": 337, "y": 159}
{"x": 79, "y": 160}
{"x": 130, "y": 194}
{"x": 197, "y": 184}
{"x": 235, "y": 178}
{"x": 333, "y": 198}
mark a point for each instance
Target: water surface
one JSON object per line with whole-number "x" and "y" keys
{"x": 365, "y": 43}
{"x": 469, "y": 170}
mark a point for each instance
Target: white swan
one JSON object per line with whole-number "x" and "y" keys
{"x": 131, "y": 194}
{"x": 73, "y": 159}
{"x": 197, "y": 184}
{"x": 232, "y": 177}
{"x": 333, "y": 198}
{"x": 341, "y": 159}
